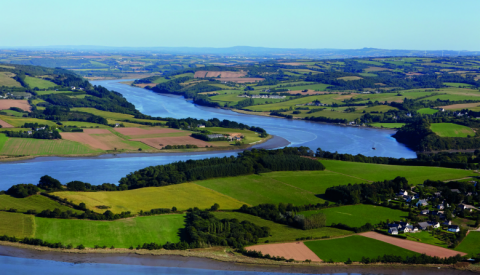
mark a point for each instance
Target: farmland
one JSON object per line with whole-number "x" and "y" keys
{"x": 471, "y": 244}
{"x": 427, "y": 111}
{"x": 17, "y": 225}
{"x": 35, "y": 202}
{"x": 354, "y": 247}
{"x": 7, "y": 103}
{"x": 20, "y": 121}
{"x": 121, "y": 234}
{"x": 451, "y": 130}
{"x": 39, "y": 147}
{"x": 358, "y": 215}
{"x": 7, "y": 80}
{"x": 34, "y": 82}
{"x": 182, "y": 196}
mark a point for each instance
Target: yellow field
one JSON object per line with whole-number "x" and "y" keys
{"x": 20, "y": 121}
{"x": 182, "y": 196}
{"x": 17, "y": 225}
{"x": 7, "y": 80}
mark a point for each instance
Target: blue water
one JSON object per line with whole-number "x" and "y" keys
{"x": 98, "y": 170}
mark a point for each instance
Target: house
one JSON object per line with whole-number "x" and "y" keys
{"x": 29, "y": 132}
{"x": 409, "y": 198}
{"x": 393, "y": 231}
{"x": 402, "y": 193}
{"x": 73, "y": 87}
{"x": 435, "y": 225}
{"x": 440, "y": 207}
{"x": 437, "y": 194}
{"x": 200, "y": 126}
{"x": 404, "y": 224}
{"x": 463, "y": 207}
{"x": 421, "y": 203}
{"x": 455, "y": 191}
{"x": 117, "y": 125}
{"x": 410, "y": 228}
{"x": 453, "y": 228}
{"x": 424, "y": 212}
{"x": 40, "y": 128}
{"x": 423, "y": 225}
{"x": 447, "y": 223}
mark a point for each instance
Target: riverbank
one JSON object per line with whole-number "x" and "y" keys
{"x": 217, "y": 258}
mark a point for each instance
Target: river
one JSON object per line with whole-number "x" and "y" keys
{"x": 111, "y": 168}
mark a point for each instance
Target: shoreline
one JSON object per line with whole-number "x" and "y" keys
{"x": 270, "y": 142}
{"x": 217, "y": 258}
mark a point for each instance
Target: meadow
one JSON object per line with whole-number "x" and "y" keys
{"x": 38, "y": 147}
{"x": 387, "y": 125}
{"x": 427, "y": 111}
{"x": 121, "y": 234}
{"x": 7, "y": 80}
{"x": 3, "y": 140}
{"x": 35, "y": 202}
{"x": 53, "y": 92}
{"x": 471, "y": 244}
{"x": 379, "y": 172}
{"x": 113, "y": 116}
{"x": 281, "y": 232}
{"x": 354, "y": 248}
{"x": 17, "y": 225}
{"x": 425, "y": 237}
{"x": 34, "y": 82}
{"x": 358, "y": 215}
{"x": 183, "y": 196}
{"x": 20, "y": 121}
{"x": 451, "y": 130}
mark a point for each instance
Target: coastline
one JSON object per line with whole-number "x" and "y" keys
{"x": 217, "y": 258}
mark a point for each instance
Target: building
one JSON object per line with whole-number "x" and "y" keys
{"x": 424, "y": 212}
{"x": 393, "y": 231}
{"x": 440, "y": 207}
{"x": 411, "y": 229}
{"x": 200, "y": 126}
{"x": 213, "y": 136}
{"x": 402, "y": 193}
{"x": 421, "y": 203}
{"x": 453, "y": 228}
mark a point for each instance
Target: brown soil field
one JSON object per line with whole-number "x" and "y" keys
{"x": 223, "y": 74}
{"x": 155, "y": 142}
{"x": 85, "y": 138}
{"x": 141, "y": 131}
{"x": 422, "y": 248}
{"x": 5, "y": 104}
{"x": 460, "y": 106}
{"x": 5, "y": 125}
{"x": 297, "y": 251}
{"x": 96, "y": 131}
{"x": 242, "y": 80}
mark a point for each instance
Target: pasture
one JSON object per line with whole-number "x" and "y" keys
{"x": 281, "y": 232}
{"x": 20, "y": 121}
{"x": 182, "y": 196}
{"x": 379, "y": 172}
{"x": 451, "y": 130}
{"x": 114, "y": 116}
{"x": 471, "y": 244}
{"x": 354, "y": 248}
{"x": 3, "y": 140}
{"x": 34, "y": 82}
{"x": 387, "y": 125}
{"x": 53, "y": 92}
{"x": 42, "y": 147}
{"x": 6, "y": 79}
{"x": 35, "y": 202}
{"x": 358, "y": 215}
{"x": 17, "y": 225}
{"x": 121, "y": 233}
{"x": 427, "y": 111}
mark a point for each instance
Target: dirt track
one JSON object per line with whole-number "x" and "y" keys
{"x": 5, "y": 104}
{"x": 422, "y": 248}
{"x": 5, "y": 125}
{"x": 297, "y": 251}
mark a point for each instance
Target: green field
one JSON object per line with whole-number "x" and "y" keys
{"x": 358, "y": 215}
{"x": 425, "y": 237}
{"x": 315, "y": 87}
{"x": 451, "y": 130}
{"x": 249, "y": 136}
{"x": 354, "y": 247}
{"x": 122, "y": 233}
{"x": 53, "y": 92}
{"x": 454, "y": 84}
{"x": 379, "y": 172}
{"x": 20, "y": 121}
{"x": 387, "y": 125}
{"x": 12, "y": 113}
{"x": 281, "y": 232}
{"x": 182, "y": 196}
{"x": 82, "y": 124}
{"x": 39, "y": 147}
{"x": 34, "y": 82}
{"x": 17, "y": 225}
{"x": 427, "y": 111}
{"x": 35, "y": 202}
{"x": 471, "y": 244}
{"x": 113, "y": 116}
{"x": 3, "y": 140}
{"x": 7, "y": 80}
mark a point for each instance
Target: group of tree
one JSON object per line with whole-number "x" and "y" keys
{"x": 40, "y": 134}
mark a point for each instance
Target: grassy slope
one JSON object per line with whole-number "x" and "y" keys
{"x": 354, "y": 247}
{"x": 471, "y": 244}
{"x": 6, "y": 80}
{"x": 388, "y": 125}
{"x": 20, "y": 121}
{"x": 53, "y": 92}
{"x": 122, "y": 233}
{"x": 425, "y": 237}
{"x": 38, "y": 147}
{"x": 182, "y": 196}
{"x": 451, "y": 130}
{"x": 281, "y": 232}
{"x": 39, "y": 83}
{"x": 358, "y": 215}
{"x": 16, "y": 225}
{"x": 114, "y": 116}
{"x": 428, "y": 111}
{"x": 3, "y": 140}
{"x": 379, "y": 172}
{"x": 35, "y": 202}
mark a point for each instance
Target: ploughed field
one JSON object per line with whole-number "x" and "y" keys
{"x": 5, "y": 104}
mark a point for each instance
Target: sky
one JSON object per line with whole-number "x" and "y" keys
{"x": 313, "y": 24}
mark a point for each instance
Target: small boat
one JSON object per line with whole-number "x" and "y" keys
{"x": 373, "y": 148}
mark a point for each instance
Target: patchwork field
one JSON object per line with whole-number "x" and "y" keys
{"x": 215, "y": 74}
{"x": 17, "y": 225}
{"x": 451, "y": 130}
{"x": 5, "y": 104}
{"x": 102, "y": 139}
{"x": 182, "y": 196}
{"x": 379, "y": 172}
{"x": 122, "y": 233}
{"x": 35, "y": 202}
{"x": 470, "y": 106}
{"x": 358, "y": 215}
{"x": 6, "y": 79}
{"x": 30, "y": 146}
{"x": 5, "y": 125}
{"x": 34, "y": 82}
{"x": 281, "y": 232}
{"x": 354, "y": 247}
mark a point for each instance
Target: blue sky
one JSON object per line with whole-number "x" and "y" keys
{"x": 345, "y": 24}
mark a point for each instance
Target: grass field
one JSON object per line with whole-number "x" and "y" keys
{"x": 35, "y": 202}
{"x": 425, "y": 237}
{"x": 182, "y": 196}
{"x": 249, "y": 136}
{"x": 82, "y": 124}
{"x": 388, "y": 125}
{"x": 122, "y": 234}
{"x": 113, "y": 116}
{"x": 471, "y": 244}
{"x": 53, "y": 92}
{"x": 281, "y": 232}
{"x": 17, "y": 225}
{"x": 354, "y": 247}
{"x": 358, "y": 215}
{"x": 451, "y": 130}
{"x": 3, "y": 140}
{"x": 38, "y": 147}
{"x": 12, "y": 113}
{"x": 427, "y": 111}
{"x": 39, "y": 83}
{"x": 7, "y": 80}
{"x": 20, "y": 121}
{"x": 379, "y": 172}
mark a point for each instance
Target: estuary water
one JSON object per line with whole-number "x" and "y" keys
{"x": 111, "y": 168}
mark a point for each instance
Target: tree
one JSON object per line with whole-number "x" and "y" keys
{"x": 215, "y": 207}
{"x": 48, "y": 183}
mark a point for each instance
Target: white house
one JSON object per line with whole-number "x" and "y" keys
{"x": 393, "y": 231}
{"x": 453, "y": 228}
{"x": 403, "y": 193}
{"x": 421, "y": 203}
